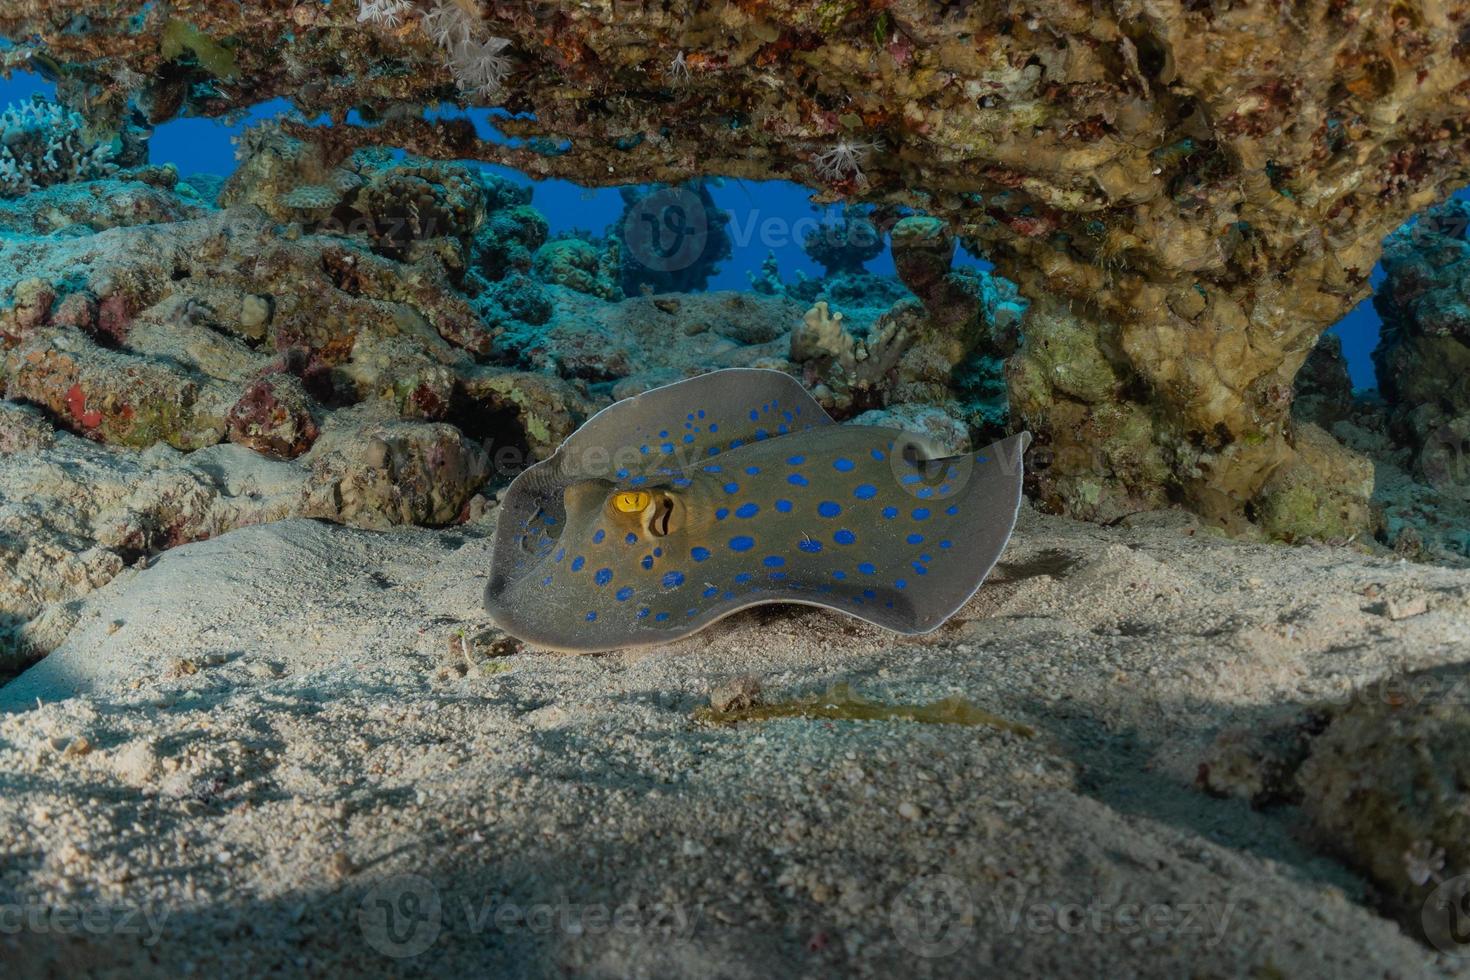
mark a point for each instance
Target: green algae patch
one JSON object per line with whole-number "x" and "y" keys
{"x": 841, "y": 703}
{"x": 180, "y": 36}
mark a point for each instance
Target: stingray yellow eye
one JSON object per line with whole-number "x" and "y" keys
{"x": 632, "y": 502}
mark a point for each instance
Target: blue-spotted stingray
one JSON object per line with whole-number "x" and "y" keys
{"x": 673, "y": 509}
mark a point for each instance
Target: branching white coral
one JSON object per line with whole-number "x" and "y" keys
{"x": 449, "y": 25}
{"x": 679, "y": 70}
{"x": 384, "y": 13}
{"x": 480, "y": 67}
{"x": 844, "y": 160}
{"x": 42, "y": 143}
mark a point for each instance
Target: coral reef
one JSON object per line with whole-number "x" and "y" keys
{"x": 1207, "y": 185}
{"x": 1423, "y": 358}
{"x": 42, "y": 144}
{"x": 844, "y": 246}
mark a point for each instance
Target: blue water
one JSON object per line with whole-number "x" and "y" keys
{"x": 204, "y": 146}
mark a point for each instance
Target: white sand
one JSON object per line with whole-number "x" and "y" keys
{"x": 263, "y": 735}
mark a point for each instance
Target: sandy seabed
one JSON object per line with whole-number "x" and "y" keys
{"x": 296, "y": 748}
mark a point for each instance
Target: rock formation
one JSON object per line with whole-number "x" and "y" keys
{"x": 1199, "y": 189}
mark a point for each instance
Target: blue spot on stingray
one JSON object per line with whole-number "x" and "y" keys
{"x": 721, "y": 513}
{"x": 754, "y": 415}
{"x": 926, "y": 557}
{"x": 667, "y": 447}
{"x": 742, "y": 578}
{"x": 920, "y": 569}
{"x": 560, "y": 554}
{"x": 786, "y": 415}
{"x": 622, "y": 474}
{"x": 736, "y": 443}
{"x": 549, "y": 520}
{"x": 711, "y": 591}
{"x": 773, "y": 561}
{"x": 747, "y": 510}
{"x": 672, "y": 580}
{"x": 982, "y": 459}
{"x": 844, "y": 536}
{"x": 921, "y": 513}
{"x": 951, "y": 510}
{"x": 810, "y": 545}
{"x": 631, "y": 538}
{"x": 784, "y": 506}
{"x": 603, "y": 576}
{"x": 797, "y": 480}
{"x": 643, "y": 613}
{"x": 598, "y": 537}
{"x": 868, "y": 568}
{"x": 742, "y": 542}
{"x": 664, "y": 434}
{"x": 869, "y": 594}
{"x": 777, "y": 576}
{"x": 761, "y": 434}
{"x": 842, "y": 465}
{"x": 925, "y": 493}
{"x": 890, "y": 512}
{"x": 624, "y": 594}
{"x": 647, "y": 561}
{"x": 591, "y": 616}
{"x": 638, "y": 481}
{"x": 945, "y": 488}
{"x": 712, "y": 468}
{"x": 577, "y": 563}
{"x": 865, "y": 491}
{"x": 946, "y": 543}
{"x": 910, "y": 478}
{"x": 660, "y": 617}
{"x": 878, "y": 455}
{"x": 900, "y": 584}
{"x": 701, "y": 413}
{"x": 643, "y": 450}
{"x": 828, "y": 508}
{"x": 688, "y": 438}
{"x": 796, "y": 460}
{"x": 714, "y": 427}
{"x": 782, "y": 429}
{"x": 915, "y": 539}
{"x": 728, "y": 596}
{"x": 683, "y": 482}
{"x": 839, "y": 575}
{"x": 546, "y": 580}
{"x": 658, "y": 552}
{"x": 752, "y": 470}
{"x": 699, "y": 554}
{"x": 732, "y": 488}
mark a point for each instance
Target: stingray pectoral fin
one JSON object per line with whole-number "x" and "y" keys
{"x": 986, "y": 510}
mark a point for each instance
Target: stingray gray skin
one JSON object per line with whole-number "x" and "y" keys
{"x": 754, "y": 496}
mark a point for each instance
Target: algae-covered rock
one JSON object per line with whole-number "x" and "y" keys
{"x": 579, "y": 264}
{"x": 377, "y": 473}
{"x": 1322, "y": 492}
{"x": 1387, "y": 786}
